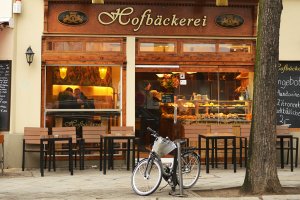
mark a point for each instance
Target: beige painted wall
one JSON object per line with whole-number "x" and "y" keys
{"x": 6, "y": 44}
{"x": 130, "y": 90}
{"x": 289, "y": 44}
{"x": 27, "y": 82}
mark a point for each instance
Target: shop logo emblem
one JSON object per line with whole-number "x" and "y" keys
{"x": 72, "y": 18}
{"x": 229, "y": 20}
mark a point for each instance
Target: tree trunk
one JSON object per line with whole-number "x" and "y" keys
{"x": 261, "y": 172}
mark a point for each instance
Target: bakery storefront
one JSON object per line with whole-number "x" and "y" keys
{"x": 188, "y": 62}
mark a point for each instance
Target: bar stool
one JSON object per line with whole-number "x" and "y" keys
{"x": 2, "y": 153}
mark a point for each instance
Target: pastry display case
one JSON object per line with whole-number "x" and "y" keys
{"x": 208, "y": 111}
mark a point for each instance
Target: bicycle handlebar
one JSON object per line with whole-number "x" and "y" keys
{"x": 153, "y": 132}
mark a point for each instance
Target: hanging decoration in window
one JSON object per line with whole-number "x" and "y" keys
{"x": 82, "y": 75}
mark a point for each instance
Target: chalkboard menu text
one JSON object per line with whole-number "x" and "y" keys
{"x": 288, "y": 94}
{"x": 5, "y": 84}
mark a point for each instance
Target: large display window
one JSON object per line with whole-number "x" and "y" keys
{"x": 83, "y": 95}
{"x": 167, "y": 98}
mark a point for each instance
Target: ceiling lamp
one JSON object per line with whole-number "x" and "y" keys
{"x": 97, "y": 1}
{"x": 63, "y": 72}
{"x": 160, "y": 75}
{"x": 222, "y": 2}
{"x": 102, "y": 72}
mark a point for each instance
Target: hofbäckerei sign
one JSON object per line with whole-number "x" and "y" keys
{"x": 125, "y": 17}
{"x": 149, "y": 20}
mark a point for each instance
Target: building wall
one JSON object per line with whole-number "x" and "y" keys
{"x": 289, "y": 44}
{"x": 26, "y": 80}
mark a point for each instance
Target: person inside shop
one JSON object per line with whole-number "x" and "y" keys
{"x": 241, "y": 92}
{"x": 83, "y": 100}
{"x": 67, "y": 99}
{"x": 147, "y": 107}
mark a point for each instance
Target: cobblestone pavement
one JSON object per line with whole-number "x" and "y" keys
{"x": 92, "y": 184}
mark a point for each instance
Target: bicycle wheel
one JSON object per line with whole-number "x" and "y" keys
{"x": 146, "y": 185}
{"x": 190, "y": 168}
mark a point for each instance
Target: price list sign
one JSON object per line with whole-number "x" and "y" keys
{"x": 5, "y": 83}
{"x": 288, "y": 94}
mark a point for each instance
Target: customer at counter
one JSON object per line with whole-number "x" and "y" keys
{"x": 147, "y": 107}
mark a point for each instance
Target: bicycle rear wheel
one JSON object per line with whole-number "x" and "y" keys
{"x": 146, "y": 185}
{"x": 190, "y": 168}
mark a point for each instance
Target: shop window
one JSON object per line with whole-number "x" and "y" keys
{"x": 157, "y": 47}
{"x": 66, "y": 46}
{"x": 194, "y": 47}
{"x": 77, "y": 95}
{"x": 235, "y": 48}
{"x": 103, "y": 46}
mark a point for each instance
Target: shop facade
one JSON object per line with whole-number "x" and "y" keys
{"x": 196, "y": 56}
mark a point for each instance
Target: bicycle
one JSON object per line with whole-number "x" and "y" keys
{"x": 148, "y": 173}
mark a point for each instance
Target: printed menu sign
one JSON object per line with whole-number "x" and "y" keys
{"x": 5, "y": 78}
{"x": 288, "y": 94}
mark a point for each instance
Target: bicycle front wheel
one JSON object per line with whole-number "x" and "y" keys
{"x": 190, "y": 168}
{"x": 146, "y": 177}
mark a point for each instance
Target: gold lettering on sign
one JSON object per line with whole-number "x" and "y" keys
{"x": 122, "y": 16}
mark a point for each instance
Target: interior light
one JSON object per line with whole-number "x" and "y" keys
{"x": 102, "y": 72}
{"x": 63, "y": 72}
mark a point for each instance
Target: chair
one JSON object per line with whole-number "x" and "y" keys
{"x": 2, "y": 153}
{"x": 281, "y": 130}
{"x": 121, "y": 131}
{"x": 221, "y": 130}
{"x": 191, "y": 132}
{"x": 244, "y": 138}
{"x": 77, "y": 146}
{"x": 91, "y": 140}
{"x": 31, "y": 142}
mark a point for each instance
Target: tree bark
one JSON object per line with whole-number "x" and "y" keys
{"x": 261, "y": 171}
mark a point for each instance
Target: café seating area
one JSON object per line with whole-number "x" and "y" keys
{"x": 61, "y": 143}
{"x": 215, "y": 142}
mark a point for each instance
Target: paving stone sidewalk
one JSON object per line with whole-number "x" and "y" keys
{"x": 92, "y": 184}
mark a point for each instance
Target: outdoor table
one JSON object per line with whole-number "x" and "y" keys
{"x": 214, "y": 138}
{"x": 281, "y": 137}
{"x": 51, "y": 139}
{"x": 106, "y": 146}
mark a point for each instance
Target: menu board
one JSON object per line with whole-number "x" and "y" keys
{"x": 288, "y": 94}
{"x": 5, "y": 78}
{"x": 167, "y": 98}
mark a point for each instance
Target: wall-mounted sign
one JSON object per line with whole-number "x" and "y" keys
{"x": 288, "y": 94}
{"x": 149, "y": 20}
{"x": 126, "y": 16}
{"x": 5, "y": 86}
{"x": 72, "y": 18}
{"x": 229, "y": 20}
{"x": 167, "y": 98}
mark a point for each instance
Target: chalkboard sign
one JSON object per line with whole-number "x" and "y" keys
{"x": 167, "y": 98}
{"x": 288, "y": 94}
{"x": 5, "y": 78}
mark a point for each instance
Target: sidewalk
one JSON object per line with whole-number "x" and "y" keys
{"x": 92, "y": 184}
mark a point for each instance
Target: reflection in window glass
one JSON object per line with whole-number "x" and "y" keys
{"x": 111, "y": 46}
{"x": 234, "y": 48}
{"x": 67, "y": 46}
{"x": 199, "y": 47}
{"x": 103, "y": 46}
{"x": 157, "y": 47}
